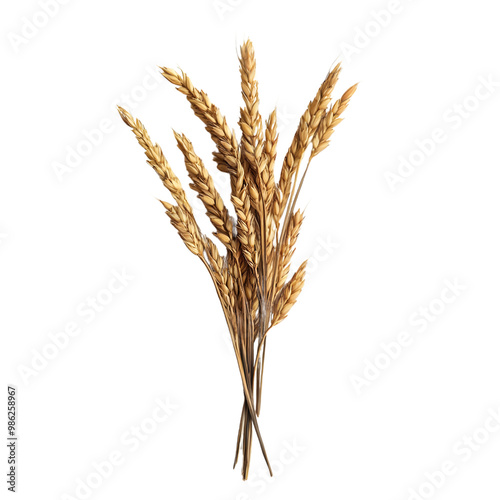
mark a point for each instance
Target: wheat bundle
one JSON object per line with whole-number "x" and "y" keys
{"x": 251, "y": 275}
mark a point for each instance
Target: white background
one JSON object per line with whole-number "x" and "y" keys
{"x": 378, "y": 255}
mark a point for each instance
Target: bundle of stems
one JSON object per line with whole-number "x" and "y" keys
{"x": 252, "y": 273}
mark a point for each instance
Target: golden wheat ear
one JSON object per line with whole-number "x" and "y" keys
{"x": 250, "y": 120}
{"x": 270, "y": 151}
{"x": 330, "y": 121}
{"x": 157, "y": 160}
{"x": 289, "y": 295}
{"x": 288, "y": 249}
{"x": 187, "y": 230}
{"x": 227, "y": 155}
{"x": 203, "y": 184}
{"x": 308, "y": 124}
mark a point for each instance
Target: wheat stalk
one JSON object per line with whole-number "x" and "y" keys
{"x": 250, "y": 276}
